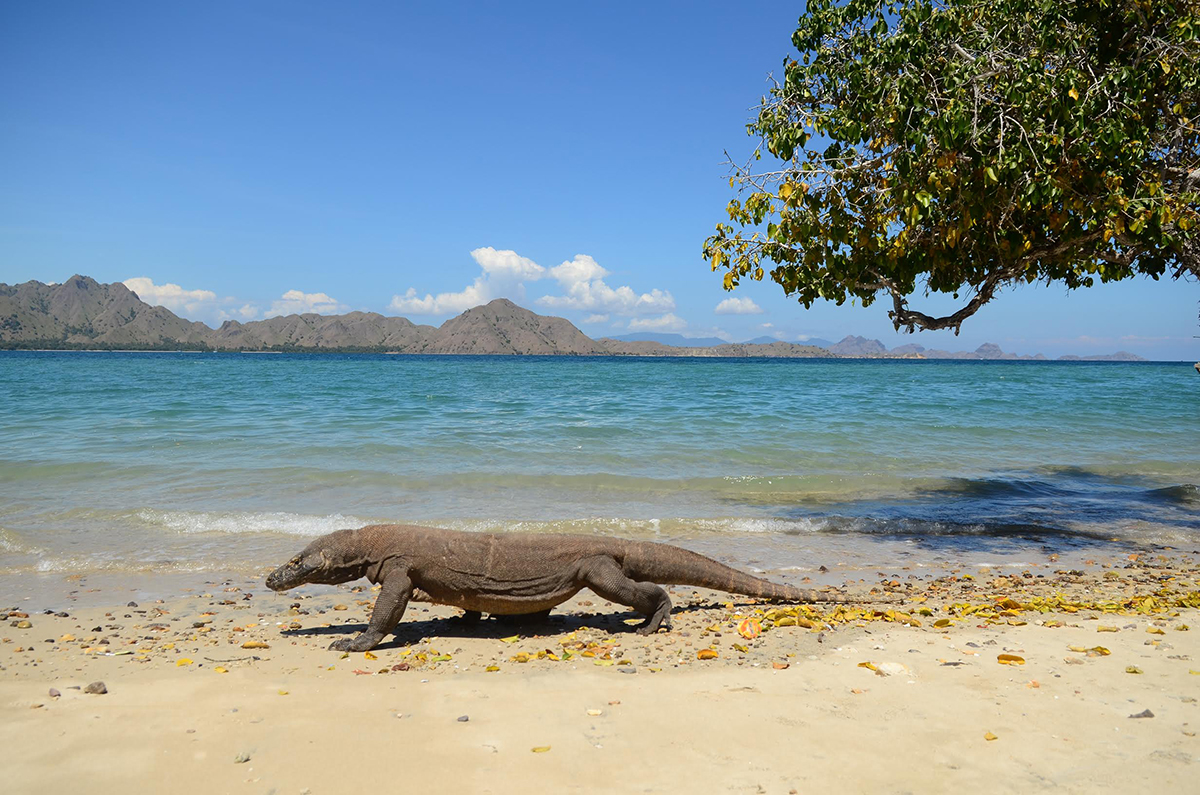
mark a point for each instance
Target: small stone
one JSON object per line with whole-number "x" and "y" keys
{"x": 1143, "y": 714}
{"x": 132, "y": 604}
{"x": 54, "y": 693}
{"x": 96, "y": 689}
{"x": 23, "y": 625}
{"x": 241, "y": 758}
{"x": 463, "y": 718}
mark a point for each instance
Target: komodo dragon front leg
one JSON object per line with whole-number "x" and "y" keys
{"x": 388, "y": 610}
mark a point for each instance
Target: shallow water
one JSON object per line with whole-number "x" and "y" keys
{"x": 151, "y": 462}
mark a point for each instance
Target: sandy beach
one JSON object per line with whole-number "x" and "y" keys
{"x": 1073, "y": 680}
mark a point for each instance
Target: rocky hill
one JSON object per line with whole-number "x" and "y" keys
{"x": 81, "y": 313}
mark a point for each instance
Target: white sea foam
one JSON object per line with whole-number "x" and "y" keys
{"x": 82, "y": 565}
{"x": 248, "y": 522}
{"x": 11, "y": 542}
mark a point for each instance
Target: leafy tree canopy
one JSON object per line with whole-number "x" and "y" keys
{"x": 956, "y": 146}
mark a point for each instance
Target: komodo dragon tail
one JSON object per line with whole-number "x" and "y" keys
{"x": 668, "y": 565}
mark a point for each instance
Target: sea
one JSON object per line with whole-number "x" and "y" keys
{"x": 158, "y": 469}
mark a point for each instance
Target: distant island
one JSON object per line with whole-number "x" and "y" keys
{"x": 83, "y": 314}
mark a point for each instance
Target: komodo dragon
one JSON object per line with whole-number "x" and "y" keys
{"x": 511, "y": 573}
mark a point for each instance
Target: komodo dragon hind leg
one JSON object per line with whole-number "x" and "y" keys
{"x": 604, "y": 576}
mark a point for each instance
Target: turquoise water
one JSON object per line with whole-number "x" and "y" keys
{"x": 223, "y": 462}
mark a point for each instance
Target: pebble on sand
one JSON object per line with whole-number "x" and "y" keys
{"x": 96, "y": 689}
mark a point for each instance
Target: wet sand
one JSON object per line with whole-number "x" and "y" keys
{"x": 1007, "y": 683}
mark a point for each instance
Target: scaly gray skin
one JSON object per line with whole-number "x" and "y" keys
{"x": 511, "y": 574}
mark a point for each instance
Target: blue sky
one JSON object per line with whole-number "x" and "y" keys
{"x": 234, "y": 160}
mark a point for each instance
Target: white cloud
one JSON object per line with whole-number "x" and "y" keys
{"x": 504, "y": 274}
{"x": 443, "y": 303}
{"x": 667, "y": 322}
{"x": 738, "y": 306}
{"x": 507, "y": 264}
{"x": 295, "y": 302}
{"x": 203, "y": 305}
{"x": 596, "y": 319}
{"x": 172, "y": 296}
{"x": 582, "y": 281}
{"x": 580, "y": 269}
{"x": 244, "y": 312}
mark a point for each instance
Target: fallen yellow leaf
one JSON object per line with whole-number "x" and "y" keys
{"x": 989, "y": 737}
{"x": 221, "y": 669}
{"x": 540, "y": 749}
{"x": 750, "y": 628}
{"x": 868, "y": 665}
{"x": 1132, "y": 669}
{"x": 1106, "y": 629}
{"x": 706, "y": 654}
{"x": 369, "y": 656}
{"x": 1010, "y": 659}
{"x": 255, "y": 644}
{"x": 182, "y": 661}
{"x": 492, "y": 668}
{"x": 511, "y": 639}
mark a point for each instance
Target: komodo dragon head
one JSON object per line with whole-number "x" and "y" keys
{"x": 326, "y": 560}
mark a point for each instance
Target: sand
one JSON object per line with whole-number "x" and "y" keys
{"x": 879, "y": 705}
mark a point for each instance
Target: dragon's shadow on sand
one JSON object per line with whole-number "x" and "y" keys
{"x": 411, "y": 632}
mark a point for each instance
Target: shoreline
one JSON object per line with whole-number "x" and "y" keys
{"x": 795, "y": 708}
{"x": 829, "y": 356}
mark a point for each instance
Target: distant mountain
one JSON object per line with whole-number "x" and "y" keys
{"x": 858, "y": 347}
{"x": 81, "y": 313}
{"x": 1119, "y": 356}
{"x": 816, "y": 342}
{"x": 505, "y": 328}
{"x": 353, "y": 330}
{"x": 773, "y": 350}
{"x": 987, "y": 351}
{"x": 678, "y": 340}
